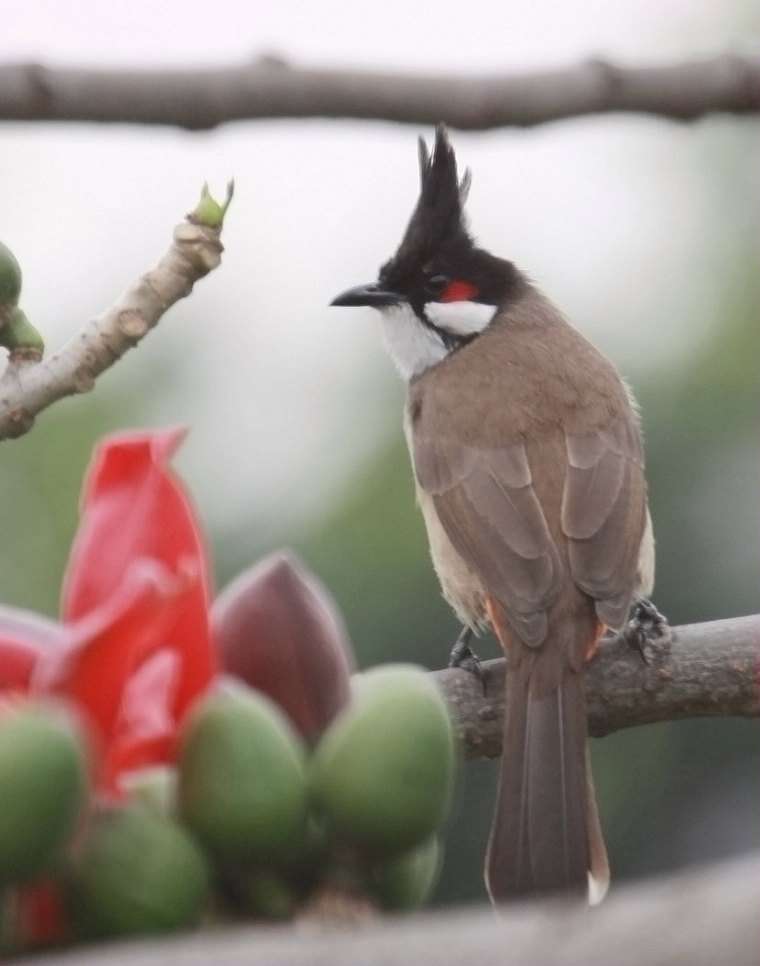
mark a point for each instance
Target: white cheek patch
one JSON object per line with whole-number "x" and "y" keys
{"x": 412, "y": 345}
{"x": 460, "y": 318}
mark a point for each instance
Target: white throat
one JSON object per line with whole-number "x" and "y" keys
{"x": 414, "y": 346}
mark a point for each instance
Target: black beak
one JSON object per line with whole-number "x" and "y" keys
{"x": 371, "y": 294}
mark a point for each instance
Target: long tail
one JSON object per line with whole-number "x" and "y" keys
{"x": 546, "y": 836}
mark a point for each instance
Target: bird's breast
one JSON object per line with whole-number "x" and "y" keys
{"x": 460, "y": 586}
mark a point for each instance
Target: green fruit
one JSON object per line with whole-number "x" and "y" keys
{"x": 137, "y": 872}
{"x": 267, "y": 895}
{"x": 43, "y": 786}
{"x": 405, "y": 881}
{"x": 10, "y": 277}
{"x": 242, "y": 782}
{"x": 386, "y": 678}
{"x": 383, "y": 772}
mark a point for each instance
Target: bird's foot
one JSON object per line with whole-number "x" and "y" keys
{"x": 646, "y": 627}
{"x": 463, "y": 656}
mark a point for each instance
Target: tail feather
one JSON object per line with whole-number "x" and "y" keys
{"x": 599, "y": 869}
{"x": 545, "y": 836}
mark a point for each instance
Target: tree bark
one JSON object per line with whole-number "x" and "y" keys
{"x": 691, "y": 671}
{"x": 29, "y": 386}
{"x": 269, "y": 87}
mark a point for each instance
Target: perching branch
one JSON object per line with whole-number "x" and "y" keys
{"x": 269, "y": 87}
{"x": 29, "y": 385}
{"x": 696, "y": 670}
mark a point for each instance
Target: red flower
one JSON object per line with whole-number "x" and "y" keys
{"x": 23, "y": 638}
{"x": 133, "y": 649}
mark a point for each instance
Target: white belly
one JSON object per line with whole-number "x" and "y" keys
{"x": 461, "y": 588}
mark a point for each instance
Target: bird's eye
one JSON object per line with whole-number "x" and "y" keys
{"x": 436, "y": 283}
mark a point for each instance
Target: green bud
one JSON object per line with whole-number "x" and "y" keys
{"x": 242, "y": 783}
{"x": 137, "y": 872}
{"x": 209, "y": 211}
{"x": 43, "y": 788}
{"x": 10, "y": 278}
{"x": 383, "y": 772}
{"x": 19, "y": 335}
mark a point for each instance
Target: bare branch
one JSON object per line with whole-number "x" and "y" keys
{"x": 700, "y": 917}
{"x": 701, "y": 669}
{"x": 269, "y": 87}
{"x": 28, "y": 386}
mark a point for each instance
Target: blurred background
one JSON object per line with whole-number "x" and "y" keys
{"x": 644, "y": 231}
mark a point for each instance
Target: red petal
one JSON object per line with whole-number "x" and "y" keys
{"x": 23, "y": 637}
{"x": 102, "y": 651}
{"x": 147, "y": 729}
{"x": 36, "y": 915}
{"x": 134, "y": 509}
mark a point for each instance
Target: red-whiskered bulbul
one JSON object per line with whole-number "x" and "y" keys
{"x": 529, "y": 473}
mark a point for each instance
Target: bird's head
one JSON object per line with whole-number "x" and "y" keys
{"x": 439, "y": 290}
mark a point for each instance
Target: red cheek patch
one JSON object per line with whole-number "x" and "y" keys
{"x": 458, "y": 291}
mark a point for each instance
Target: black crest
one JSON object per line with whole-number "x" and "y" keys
{"x": 438, "y": 221}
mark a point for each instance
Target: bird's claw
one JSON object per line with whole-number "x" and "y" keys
{"x": 463, "y": 656}
{"x": 645, "y": 626}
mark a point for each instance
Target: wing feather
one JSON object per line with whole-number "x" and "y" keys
{"x": 604, "y": 515}
{"x": 488, "y": 507}
{"x": 487, "y": 504}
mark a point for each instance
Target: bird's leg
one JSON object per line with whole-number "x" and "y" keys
{"x": 461, "y": 653}
{"x": 463, "y": 656}
{"x": 646, "y": 625}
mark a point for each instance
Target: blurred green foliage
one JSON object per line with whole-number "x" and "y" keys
{"x": 39, "y": 491}
{"x": 41, "y": 477}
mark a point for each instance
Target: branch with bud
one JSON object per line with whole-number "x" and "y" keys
{"x": 31, "y": 383}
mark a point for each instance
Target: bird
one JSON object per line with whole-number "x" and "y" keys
{"x": 528, "y": 463}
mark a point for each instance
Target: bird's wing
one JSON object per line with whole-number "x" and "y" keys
{"x": 604, "y": 507}
{"x": 488, "y": 506}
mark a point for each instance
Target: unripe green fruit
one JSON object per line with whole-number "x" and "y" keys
{"x": 405, "y": 881}
{"x": 383, "y": 771}
{"x": 138, "y": 872}
{"x": 10, "y": 277}
{"x": 267, "y": 895}
{"x": 242, "y": 782}
{"x": 43, "y": 786}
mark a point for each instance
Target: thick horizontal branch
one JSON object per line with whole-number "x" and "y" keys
{"x": 692, "y": 671}
{"x": 700, "y": 917}
{"x": 201, "y": 99}
{"x": 28, "y": 386}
